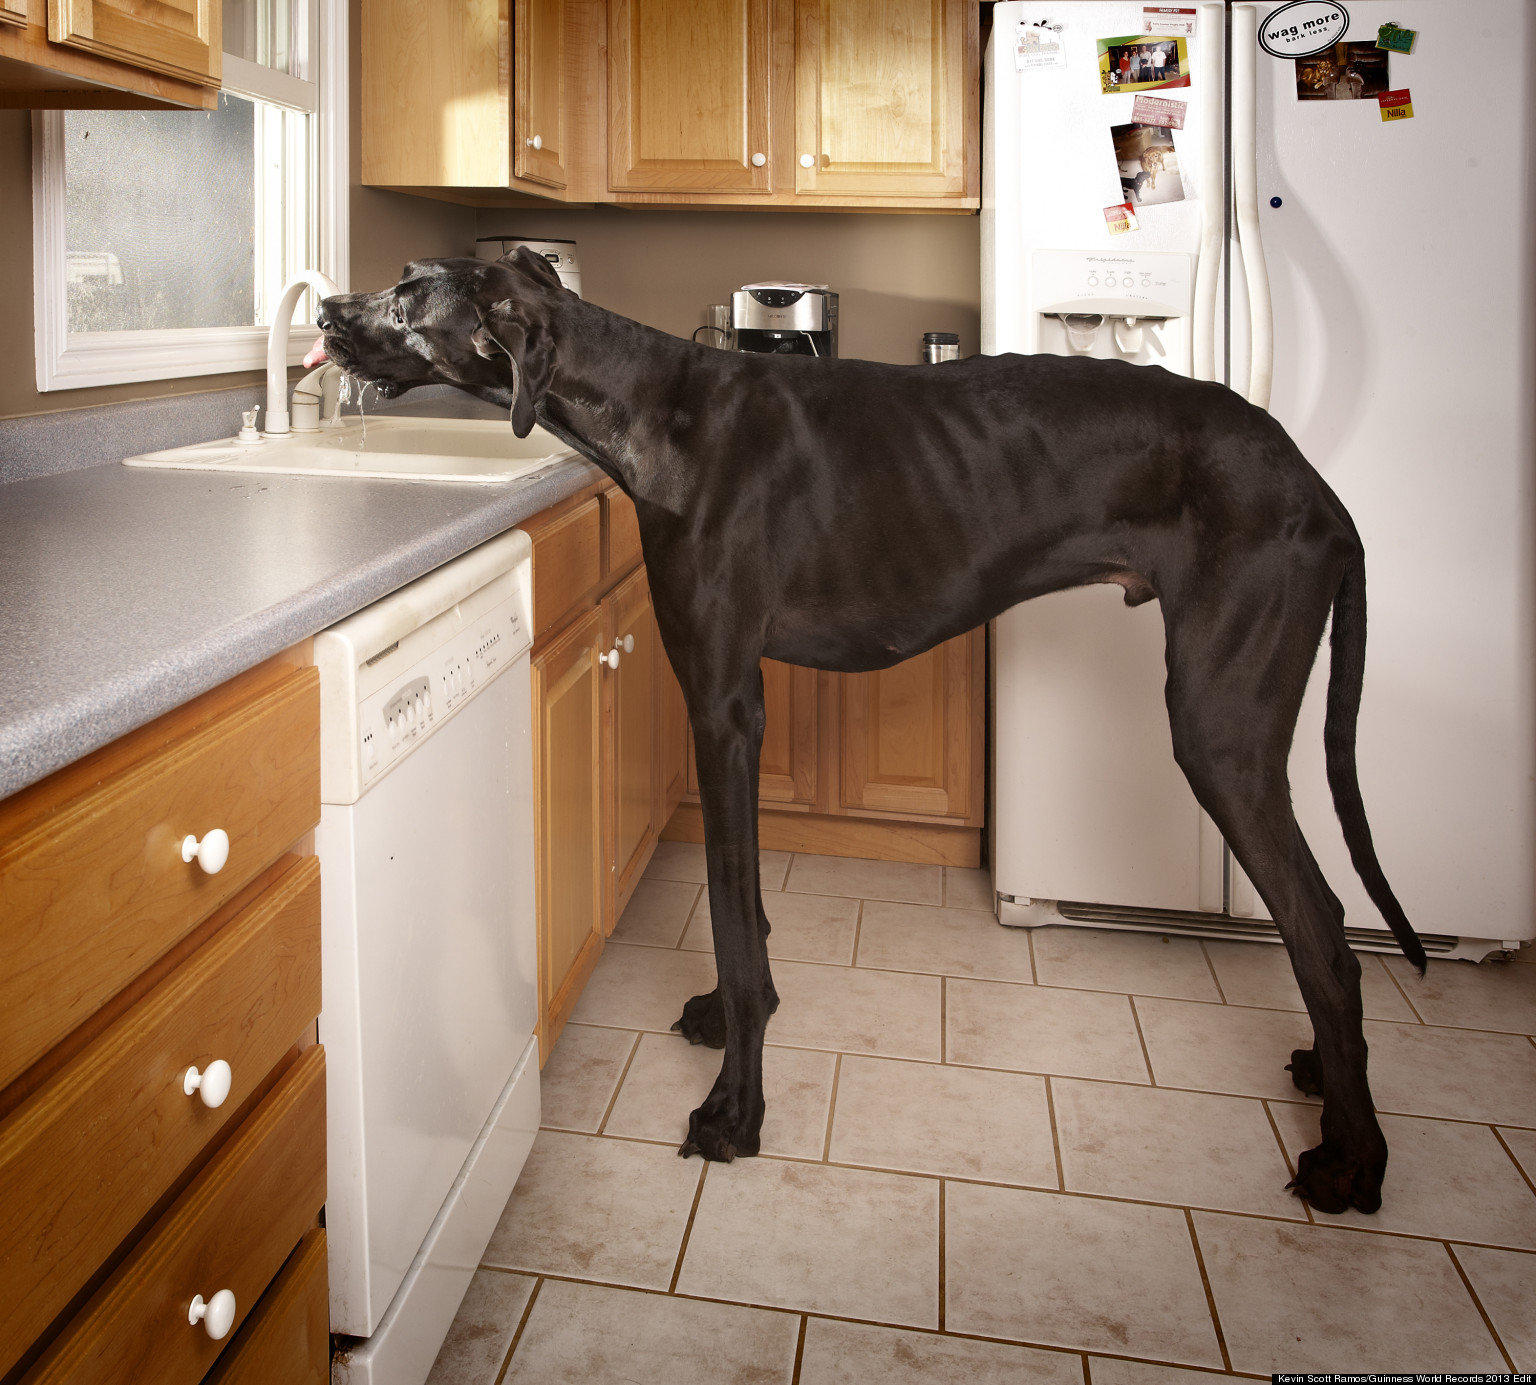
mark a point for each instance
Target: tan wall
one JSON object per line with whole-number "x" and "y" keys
{"x": 896, "y": 276}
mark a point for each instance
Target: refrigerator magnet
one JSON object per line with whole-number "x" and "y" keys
{"x": 1121, "y": 219}
{"x": 1158, "y": 110}
{"x": 1168, "y": 19}
{"x": 1396, "y": 105}
{"x": 1394, "y": 39}
{"x": 1344, "y": 72}
{"x": 1302, "y": 28}
{"x": 1149, "y": 164}
{"x": 1139, "y": 62}
{"x": 1037, "y": 46}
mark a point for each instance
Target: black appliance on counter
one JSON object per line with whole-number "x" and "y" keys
{"x": 785, "y": 319}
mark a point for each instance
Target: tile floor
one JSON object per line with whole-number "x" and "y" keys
{"x": 1000, "y": 1156}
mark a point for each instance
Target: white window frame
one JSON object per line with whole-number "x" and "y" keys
{"x": 79, "y": 360}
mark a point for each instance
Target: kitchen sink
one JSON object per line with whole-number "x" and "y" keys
{"x": 474, "y": 450}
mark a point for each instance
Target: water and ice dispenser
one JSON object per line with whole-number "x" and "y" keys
{"x": 1114, "y": 304}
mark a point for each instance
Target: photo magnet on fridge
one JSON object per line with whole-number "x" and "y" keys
{"x": 1141, "y": 62}
{"x": 1345, "y": 72}
{"x": 1149, "y": 164}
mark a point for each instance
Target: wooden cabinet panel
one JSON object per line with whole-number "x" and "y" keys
{"x": 632, "y": 758}
{"x": 13, "y": 12}
{"x": 568, "y": 818}
{"x": 539, "y": 124}
{"x": 880, "y": 96}
{"x": 623, "y": 528}
{"x": 91, "y": 1153}
{"x": 92, "y": 893}
{"x": 286, "y": 1341}
{"x": 910, "y": 734}
{"x": 567, "y": 563}
{"x": 786, "y": 769}
{"x": 671, "y": 737}
{"x": 182, "y": 38}
{"x": 688, "y": 92}
{"x": 232, "y": 1229}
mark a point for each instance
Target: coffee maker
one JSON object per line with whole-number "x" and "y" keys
{"x": 785, "y": 319}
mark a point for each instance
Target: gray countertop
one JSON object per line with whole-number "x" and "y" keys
{"x": 125, "y": 592}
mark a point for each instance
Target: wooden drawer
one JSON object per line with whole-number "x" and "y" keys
{"x": 93, "y": 893}
{"x": 87, "y": 1156}
{"x": 286, "y": 1341}
{"x": 233, "y": 1228}
{"x": 567, "y": 563}
{"x": 622, "y": 526}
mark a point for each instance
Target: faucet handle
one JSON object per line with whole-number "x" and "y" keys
{"x": 248, "y": 431}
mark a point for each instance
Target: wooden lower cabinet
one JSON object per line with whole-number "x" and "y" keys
{"x": 286, "y": 1341}
{"x": 630, "y": 630}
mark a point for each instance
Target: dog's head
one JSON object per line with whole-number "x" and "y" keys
{"x": 453, "y": 322}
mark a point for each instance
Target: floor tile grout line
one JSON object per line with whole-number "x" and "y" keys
{"x": 826, "y": 1144}
{"x": 1034, "y": 969}
{"x": 1466, "y": 1280}
{"x": 517, "y": 1336}
{"x": 634, "y": 1048}
{"x": 1146, "y": 1055}
{"x": 858, "y": 934}
{"x": 943, "y": 1274}
{"x": 944, "y": 1021}
{"x": 1087, "y": 1369}
{"x": 1514, "y": 1158}
{"x": 1211, "y": 967}
{"x": 1050, "y": 1109}
{"x": 682, "y": 1250}
{"x": 1285, "y": 1154}
{"x": 1401, "y": 989}
{"x": 693, "y": 908}
{"x": 794, "y": 1378}
{"x": 1210, "y": 1296}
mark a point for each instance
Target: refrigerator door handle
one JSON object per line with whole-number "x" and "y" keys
{"x": 1211, "y": 33}
{"x": 1245, "y": 181}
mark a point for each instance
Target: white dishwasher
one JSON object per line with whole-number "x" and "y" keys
{"x": 428, "y": 948}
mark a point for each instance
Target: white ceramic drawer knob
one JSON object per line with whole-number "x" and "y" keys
{"x": 217, "y": 1315}
{"x": 212, "y": 1085}
{"x": 807, "y": 160}
{"x": 758, "y": 160}
{"x": 536, "y": 142}
{"x": 611, "y": 658}
{"x": 210, "y": 853}
{"x": 627, "y": 644}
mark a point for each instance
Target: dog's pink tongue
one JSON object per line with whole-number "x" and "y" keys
{"x": 316, "y": 352}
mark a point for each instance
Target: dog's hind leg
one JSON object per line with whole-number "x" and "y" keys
{"x": 728, "y": 737}
{"x": 1235, "y": 680}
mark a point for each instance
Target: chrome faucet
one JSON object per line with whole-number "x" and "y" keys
{"x": 316, "y": 388}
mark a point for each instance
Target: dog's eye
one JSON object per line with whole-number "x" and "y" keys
{"x": 397, "y": 315}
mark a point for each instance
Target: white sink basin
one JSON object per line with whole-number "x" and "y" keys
{"x": 476, "y": 450}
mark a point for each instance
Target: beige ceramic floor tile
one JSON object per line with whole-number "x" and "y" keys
{"x": 1223, "y": 1048}
{"x": 1158, "y": 1145}
{"x": 583, "y": 1334}
{"x": 482, "y": 1330}
{"x": 802, "y": 928}
{"x": 1108, "y": 1371}
{"x": 956, "y": 1122}
{"x": 670, "y": 1076}
{"x": 772, "y": 867}
{"x": 582, "y": 1075}
{"x": 969, "y": 889}
{"x": 685, "y": 861}
{"x": 846, "y": 1353}
{"x": 1320, "y": 1298}
{"x": 887, "y": 1014}
{"x": 643, "y": 987}
{"x": 1105, "y": 959}
{"x": 1505, "y": 1284}
{"x": 846, "y": 875}
{"x": 1420, "y": 1070}
{"x": 1074, "y": 1272}
{"x": 818, "y": 1239}
{"x": 990, "y": 1024}
{"x": 597, "y": 1209}
{"x": 657, "y": 913}
{"x": 1260, "y": 974}
{"x": 1485, "y": 995}
{"x": 1523, "y": 1145}
{"x": 1444, "y": 1179}
{"x": 947, "y": 942}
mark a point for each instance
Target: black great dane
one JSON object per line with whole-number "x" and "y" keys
{"x": 846, "y": 515}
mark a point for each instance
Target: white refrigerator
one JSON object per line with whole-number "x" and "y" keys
{"x": 1366, "y": 275}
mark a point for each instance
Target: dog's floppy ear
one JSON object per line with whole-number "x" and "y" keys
{"x": 533, "y": 264}
{"x": 530, "y": 350}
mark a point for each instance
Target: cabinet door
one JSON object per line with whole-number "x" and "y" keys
{"x": 539, "y": 125}
{"x": 688, "y": 96}
{"x": 911, "y": 735}
{"x": 568, "y": 826}
{"x": 671, "y": 738}
{"x": 183, "y": 38}
{"x": 786, "y": 769}
{"x": 13, "y": 12}
{"x": 631, "y": 689}
{"x": 880, "y": 94}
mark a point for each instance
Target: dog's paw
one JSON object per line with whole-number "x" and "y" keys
{"x": 703, "y": 1021}
{"x": 1306, "y": 1071}
{"x": 720, "y": 1132}
{"x": 1334, "y": 1182}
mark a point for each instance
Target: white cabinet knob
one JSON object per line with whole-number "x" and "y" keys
{"x": 627, "y": 644}
{"x": 210, "y": 853}
{"x": 217, "y": 1315}
{"x": 535, "y": 143}
{"x": 611, "y": 658}
{"x": 212, "y": 1085}
{"x": 758, "y": 160}
{"x": 807, "y": 161}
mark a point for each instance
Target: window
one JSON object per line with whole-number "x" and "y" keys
{"x": 162, "y": 239}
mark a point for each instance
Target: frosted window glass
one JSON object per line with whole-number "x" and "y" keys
{"x": 160, "y": 218}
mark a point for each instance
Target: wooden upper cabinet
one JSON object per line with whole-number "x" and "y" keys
{"x": 13, "y": 12}
{"x": 181, "y": 38}
{"x": 539, "y": 105}
{"x": 688, "y": 96}
{"x": 880, "y": 96}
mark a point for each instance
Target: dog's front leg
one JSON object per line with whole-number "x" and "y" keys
{"x": 728, "y": 734}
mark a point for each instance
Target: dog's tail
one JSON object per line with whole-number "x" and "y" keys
{"x": 1346, "y": 677}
